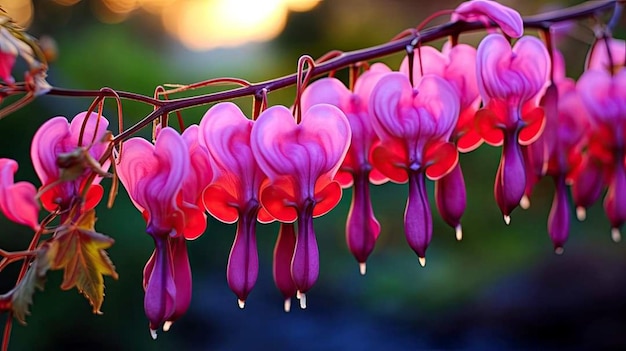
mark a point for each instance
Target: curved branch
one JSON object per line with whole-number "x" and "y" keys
{"x": 540, "y": 21}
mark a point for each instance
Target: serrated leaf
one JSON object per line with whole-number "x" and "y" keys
{"x": 22, "y": 294}
{"x": 79, "y": 251}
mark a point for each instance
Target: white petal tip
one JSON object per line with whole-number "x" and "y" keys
{"x": 167, "y": 325}
{"x": 241, "y": 303}
{"x": 287, "y": 305}
{"x": 507, "y": 219}
{"x": 422, "y": 261}
{"x": 153, "y": 334}
{"x": 581, "y": 213}
{"x": 298, "y": 294}
{"x": 303, "y": 301}
{"x": 559, "y": 250}
{"x": 616, "y": 235}
{"x": 458, "y": 232}
{"x": 362, "y": 268}
{"x": 524, "y": 202}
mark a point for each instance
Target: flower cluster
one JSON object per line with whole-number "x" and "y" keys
{"x": 290, "y": 166}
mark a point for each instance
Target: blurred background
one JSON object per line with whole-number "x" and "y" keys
{"x": 501, "y": 287}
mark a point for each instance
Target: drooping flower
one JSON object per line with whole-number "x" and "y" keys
{"x": 509, "y": 20}
{"x": 362, "y": 228}
{"x": 451, "y": 64}
{"x": 17, "y": 200}
{"x": 414, "y": 125}
{"x": 557, "y": 152}
{"x": 56, "y": 140}
{"x": 153, "y": 175}
{"x": 301, "y": 161}
{"x": 604, "y": 95}
{"x": 511, "y": 82}
{"x": 233, "y": 195}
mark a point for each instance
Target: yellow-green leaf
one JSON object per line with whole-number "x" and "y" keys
{"x": 79, "y": 251}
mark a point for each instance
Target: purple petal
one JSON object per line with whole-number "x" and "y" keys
{"x": 305, "y": 264}
{"x": 159, "y": 301}
{"x": 182, "y": 276}
{"x": 450, "y": 197}
{"x": 243, "y": 262}
{"x": 362, "y": 228}
{"x": 418, "y": 224}
{"x": 511, "y": 176}
{"x": 558, "y": 221}
{"x": 615, "y": 200}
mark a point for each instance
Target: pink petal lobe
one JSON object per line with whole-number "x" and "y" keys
{"x": 17, "y": 200}
{"x": 44, "y": 151}
{"x": 509, "y": 20}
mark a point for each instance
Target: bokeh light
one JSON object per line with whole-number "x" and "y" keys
{"x": 20, "y": 10}
{"x": 206, "y": 24}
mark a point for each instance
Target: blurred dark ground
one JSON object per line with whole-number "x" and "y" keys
{"x": 502, "y": 287}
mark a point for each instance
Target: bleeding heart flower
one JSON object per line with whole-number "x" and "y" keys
{"x": 57, "y": 138}
{"x": 301, "y": 161}
{"x": 153, "y": 175}
{"x": 233, "y": 195}
{"x": 17, "y": 200}
{"x": 451, "y": 64}
{"x": 509, "y": 20}
{"x": 415, "y": 126}
{"x": 362, "y": 228}
{"x": 510, "y": 82}
{"x": 604, "y": 95}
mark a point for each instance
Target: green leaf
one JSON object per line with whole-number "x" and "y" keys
{"x": 79, "y": 251}
{"x": 35, "y": 277}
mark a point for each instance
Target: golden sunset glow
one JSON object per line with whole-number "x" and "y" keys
{"x": 204, "y": 24}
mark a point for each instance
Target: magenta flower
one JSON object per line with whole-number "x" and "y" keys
{"x": 415, "y": 125}
{"x": 510, "y": 82}
{"x": 58, "y": 137}
{"x": 362, "y": 228}
{"x": 17, "y": 200}
{"x": 509, "y": 20}
{"x": 604, "y": 95}
{"x": 451, "y": 65}
{"x": 233, "y": 195}
{"x": 153, "y": 175}
{"x": 301, "y": 161}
